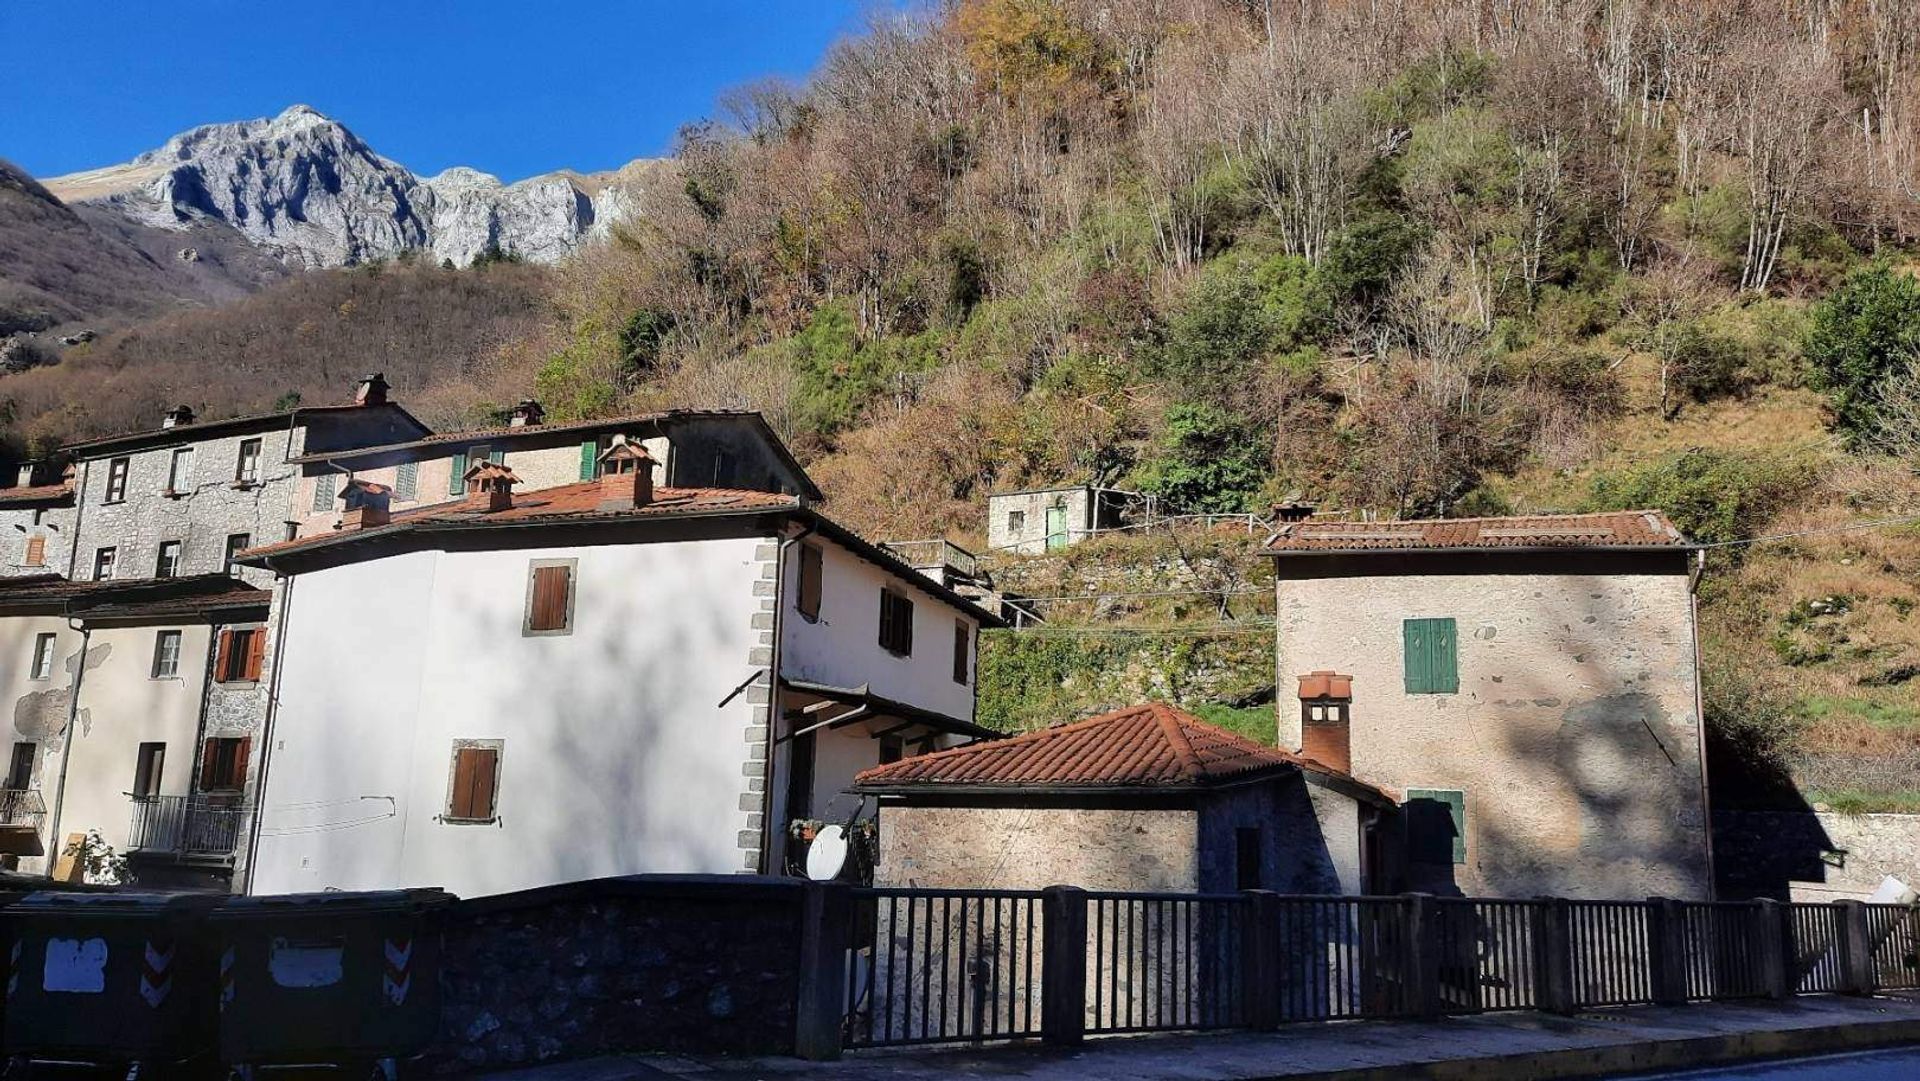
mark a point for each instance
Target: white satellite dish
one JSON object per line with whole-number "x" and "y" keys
{"x": 827, "y": 854}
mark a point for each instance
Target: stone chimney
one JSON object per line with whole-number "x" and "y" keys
{"x": 626, "y": 476}
{"x": 367, "y": 504}
{"x": 372, "y": 390}
{"x": 178, "y": 415}
{"x": 1326, "y": 729}
{"x": 1293, "y": 508}
{"x": 526, "y": 414}
{"x": 493, "y": 482}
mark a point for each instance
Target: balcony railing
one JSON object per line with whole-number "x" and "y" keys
{"x": 183, "y": 826}
{"x": 22, "y": 807}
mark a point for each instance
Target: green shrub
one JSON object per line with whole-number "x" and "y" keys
{"x": 1712, "y": 495}
{"x": 836, "y": 375}
{"x": 1208, "y": 461}
{"x": 1860, "y": 335}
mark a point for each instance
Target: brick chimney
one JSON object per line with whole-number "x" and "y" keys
{"x": 1326, "y": 729}
{"x": 1294, "y": 508}
{"x": 526, "y": 414}
{"x": 493, "y": 482}
{"x": 178, "y": 415}
{"x": 372, "y": 390}
{"x": 626, "y": 476}
{"x": 367, "y": 504}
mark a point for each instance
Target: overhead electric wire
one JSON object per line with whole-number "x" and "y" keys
{"x": 1878, "y": 523}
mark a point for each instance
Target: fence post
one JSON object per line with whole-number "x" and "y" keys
{"x": 1856, "y": 949}
{"x": 1423, "y": 953}
{"x": 1259, "y": 956}
{"x": 820, "y": 1003}
{"x": 1774, "y": 950}
{"x": 1667, "y": 951}
{"x": 1063, "y": 970}
{"x": 1553, "y": 956}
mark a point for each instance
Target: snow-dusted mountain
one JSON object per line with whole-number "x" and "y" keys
{"x": 307, "y": 190}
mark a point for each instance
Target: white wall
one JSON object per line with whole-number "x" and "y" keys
{"x": 1340, "y": 830}
{"x": 36, "y": 709}
{"x": 618, "y": 757}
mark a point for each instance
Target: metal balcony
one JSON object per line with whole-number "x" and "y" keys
{"x": 187, "y": 827}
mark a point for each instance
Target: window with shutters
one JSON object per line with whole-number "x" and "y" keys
{"x": 1436, "y": 823}
{"x": 1430, "y": 656}
{"x": 246, "y": 466}
{"x": 807, "y": 602}
{"x": 238, "y": 657}
{"x": 550, "y": 596}
{"x": 166, "y": 654}
{"x": 20, "y": 766}
{"x": 236, "y": 543}
{"x": 103, "y": 561}
{"x": 473, "y": 781}
{"x": 457, "y": 474}
{"x": 406, "y": 482}
{"x": 168, "y": 563}
{"x": 43, "y": 646}
{"x": 116, "y": 480}
{"x": 37, "y": 550}
{"x": 223, "y": 764}
{"x": 962, "y": 651}
{"x": 148, "y": 764}
{"x": 180, "y": 469}
{"x": 326, "y": 488}
{"x": 896, "y": 623}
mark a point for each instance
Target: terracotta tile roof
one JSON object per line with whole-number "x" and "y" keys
{"x": 568, "y": 502}
{"x": 1148, "y": 747}
{"x": 1608, "y": 529}
{"x": 39, "y": 493}
{"x": 130, "y": 598}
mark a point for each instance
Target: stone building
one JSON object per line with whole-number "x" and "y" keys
{"x": 1037, "y": 520}
{"x": 1143, "y": 798}
{"x": 690, "y": 448}
{"x": 185, "y": 497}
{"x": 36, "y": 521}
{"x": 1531, "y": 685}
{"x": 141, "y": 743}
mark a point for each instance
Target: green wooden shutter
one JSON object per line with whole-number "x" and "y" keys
{"x": 456, "y": 482}
{"x": 497, "y": 457}
{"x": 1430, "y": 648}
{"x": 1432, "y": 838}
{"x": 589, "y": 455}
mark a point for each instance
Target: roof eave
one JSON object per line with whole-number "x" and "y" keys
{"x": 1484, "y": 549}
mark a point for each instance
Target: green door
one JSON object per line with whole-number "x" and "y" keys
{"x": 1056, "y": 527}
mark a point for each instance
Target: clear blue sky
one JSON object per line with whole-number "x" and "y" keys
{"x": 511, "y": 88}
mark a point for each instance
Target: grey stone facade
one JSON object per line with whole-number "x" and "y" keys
{"x": 1031, "y": 522}
{"x": 50, "y": 520}
{"x": 760, "y": 702}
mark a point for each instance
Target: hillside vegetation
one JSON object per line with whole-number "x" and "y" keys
{"x": 1410, "y": 258}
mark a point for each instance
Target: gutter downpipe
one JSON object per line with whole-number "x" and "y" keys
{"x": 774, "y": 716}
{"x": 66, "y": 748}
{"x": 1700, "y": 716}
{"x": 266, "y": 732}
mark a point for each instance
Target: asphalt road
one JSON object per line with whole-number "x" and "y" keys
{"x": 1901, "y": 1064}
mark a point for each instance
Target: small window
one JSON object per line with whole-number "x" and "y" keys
{"x": 236, "y": 543}
{"x": 180, "y": 469}
{"x": 103, "y": 560}
{"x": 325, "y": 487}
{"x": 239, "y": 656}
{"x": 20, "y": 767}
{"x": 962, "y": 651}
{"x": 166, "y": 654}
{"x": 148, "y": 764}
{"x": 406, "y": 482}
{"x": 1436, "y": 821}
{"x": 246, "y": 469}
{"x": 1431, "y": 660}
{"x": 1016, "y": 521}
{"x": 168, "y": 565}
{"x": 43, "y": 656}
{"x": 223, "y": 764}
{"x": 117, "y": 480}
{"x": 1246, "y": 858}
{"x": 474, "y": 787}
{"x": 811, "y": 570}
{"x": 37, "y": 550}
{"x": 550, "y": 597}
{"x": 896, "y": 623}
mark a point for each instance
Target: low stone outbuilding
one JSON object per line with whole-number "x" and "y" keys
{"x": 1143, "y": 798}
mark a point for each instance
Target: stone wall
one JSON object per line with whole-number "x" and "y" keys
{"x": 1026, "y": 848}
{"x": 1808, "y": 856}
{"x": 52, "y": 523}
{"x": 664, "y": 963}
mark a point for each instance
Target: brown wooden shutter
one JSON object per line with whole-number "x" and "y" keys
{"x": 549, "y": 599}
{"x": 222, "y": 657}
{"x": 461, "y": 803}
{"x": 243, "y": 749}
{"x": 886, "y": 620}
{"x": 36, "y": 551}
{"x": 962, "y": 643}
{"x": 209, "y": 763}
{"x": 486, "y": 761}
{"x": 256, "y": 652}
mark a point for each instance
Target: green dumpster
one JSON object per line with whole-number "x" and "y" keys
{"x": 120, "y": 979}
{"x": 350, "y": 980}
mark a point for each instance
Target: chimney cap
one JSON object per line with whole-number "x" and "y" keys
{"x": 1326, "y": 683}
{"x": 179, "y": 414}
{"x": 528, "y": 412}
{"x": 371, "y": 390}
{"x": 627, "y": 450}
{"x": 489, "y": 472}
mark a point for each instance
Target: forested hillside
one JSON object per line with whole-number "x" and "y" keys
{"x": 1409, "y": 257}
